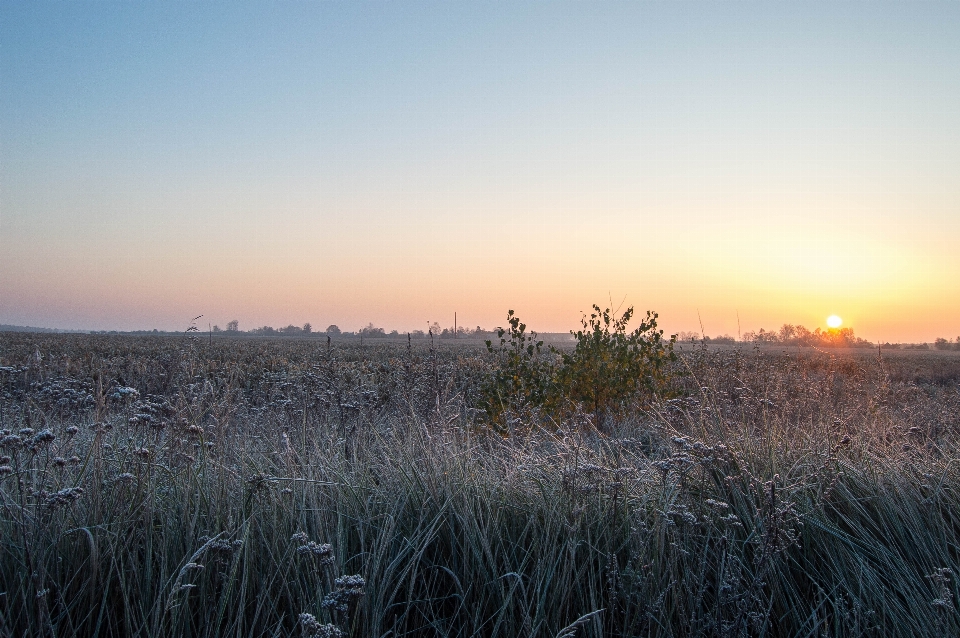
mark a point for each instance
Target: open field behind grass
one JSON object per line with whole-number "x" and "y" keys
{"x": 189, "y": 487}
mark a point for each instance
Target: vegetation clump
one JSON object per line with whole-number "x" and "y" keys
{"x": 609, "y": 370}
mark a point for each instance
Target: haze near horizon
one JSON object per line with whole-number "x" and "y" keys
{"x": 395, "y": 163}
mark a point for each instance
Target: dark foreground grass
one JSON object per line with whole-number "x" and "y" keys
{"x": 161, "y": 487}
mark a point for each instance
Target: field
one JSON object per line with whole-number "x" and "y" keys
{"x": 161, "y": 486}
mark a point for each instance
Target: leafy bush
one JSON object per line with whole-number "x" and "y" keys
{"x": 610, "y": 367}
{"x": 522, "y": 377}
{"x": 607, "y": 370}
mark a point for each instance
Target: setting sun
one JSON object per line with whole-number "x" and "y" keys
{"x": 834, "y": 321}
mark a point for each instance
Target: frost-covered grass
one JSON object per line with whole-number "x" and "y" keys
{"x": 167, "y": 487}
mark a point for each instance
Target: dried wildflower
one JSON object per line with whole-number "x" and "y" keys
{"x": 220, "y": 545}
{"x": 63, "y": 497}
{"x": 680, "y": 513}
{"x": 11, "y": 442}
{"x": 300, "y": 537}
{"x": 44, "y": 436}
{"x": 313, "y": 629}
{"x": 663, "y": 466}
{"x": 5, "y": 469}
{"x": 74, "y": 460}
{"x": 72, "y": 430}
{"x": 125, "y": 478}
{"x": 348, "y": 589}
{"x": 322, "y": 552}
{"x": 59, "y": 461}
{"x": 26, "y": 432}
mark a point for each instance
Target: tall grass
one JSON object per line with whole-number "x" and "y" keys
{"x": 159, "y": 487}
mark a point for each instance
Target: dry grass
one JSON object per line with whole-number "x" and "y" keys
{"x": 174, "y": 487}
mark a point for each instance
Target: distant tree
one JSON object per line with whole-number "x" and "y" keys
{"x": 766, "y": 337}
{"x": 942, "y": 344}
{"x": 292, "y": 330}
{"x": 333, "y": 329}
{"x": 217, "y": 329}
{"x": 307, "y": 328}
{"x": 787, "y": 333}
{"x": 418, "y": 334}
{"x": 233, "y": 326}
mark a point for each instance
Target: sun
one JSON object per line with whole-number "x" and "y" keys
{"x": 834, "y": 321}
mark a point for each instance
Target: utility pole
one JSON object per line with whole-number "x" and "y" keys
{"x": 454, "y": 325}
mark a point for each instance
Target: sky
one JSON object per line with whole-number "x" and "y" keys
{"x": 733, "y": 164}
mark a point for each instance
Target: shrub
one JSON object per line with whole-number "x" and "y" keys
{"x": 521, "y": 378}
{"x": 610, "y": 367}
{"x": 607, "y": 370}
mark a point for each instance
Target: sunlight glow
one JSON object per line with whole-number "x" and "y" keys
{"x": 834, "y": 321}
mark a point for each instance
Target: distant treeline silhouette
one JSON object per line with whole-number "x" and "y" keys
{"x": 791, "y": 335}
{"x": 369, "y": 331}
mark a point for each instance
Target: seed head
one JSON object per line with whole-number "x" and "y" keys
{"x": 349, "y": 589}
{"x": 64, "y": 497}
{"x": 11, "y": 442}
{"x": 313, "y": 629}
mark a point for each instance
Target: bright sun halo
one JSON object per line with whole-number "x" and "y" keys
{"x": 834, "y": 321}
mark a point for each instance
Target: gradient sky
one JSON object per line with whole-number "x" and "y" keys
{"x": 396, "y": 162}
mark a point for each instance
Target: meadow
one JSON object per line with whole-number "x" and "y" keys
{"x": 185, "y": 486}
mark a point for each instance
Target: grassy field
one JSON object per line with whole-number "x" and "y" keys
{"x": 192, "y": 487}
